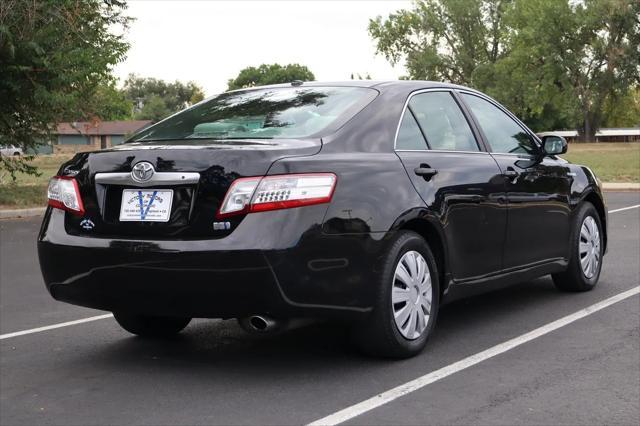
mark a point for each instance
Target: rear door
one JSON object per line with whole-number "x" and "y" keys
{"x": 457, "y": 179}
{"x": 538, "y": 188}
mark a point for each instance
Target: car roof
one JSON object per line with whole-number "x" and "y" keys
{"x": 382, "y": 85}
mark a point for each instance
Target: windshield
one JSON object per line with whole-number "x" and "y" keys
{"x": 291, "y": 113}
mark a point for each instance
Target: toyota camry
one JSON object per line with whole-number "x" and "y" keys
{"x": 368, "y": 202}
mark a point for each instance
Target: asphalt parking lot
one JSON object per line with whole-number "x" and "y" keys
{"x": 585, "y": 372}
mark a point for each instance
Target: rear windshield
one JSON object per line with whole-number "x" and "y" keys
{"x": 295, "y": 112}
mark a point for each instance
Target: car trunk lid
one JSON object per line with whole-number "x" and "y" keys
{"x": 195, "y": 175}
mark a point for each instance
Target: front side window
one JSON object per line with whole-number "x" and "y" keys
{"x": 502, "y": 132}
{"x": 289, "y": 113}
{"x": 442, "y": 122}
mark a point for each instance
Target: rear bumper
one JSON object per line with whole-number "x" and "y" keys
{"x": 197, "y": 284}
{"x": 286, "y": 274}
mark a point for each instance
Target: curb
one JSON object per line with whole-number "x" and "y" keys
{"x": 11, "y": 214}
{"x": 627, "y": 186}
{"x": 38, "y": 211}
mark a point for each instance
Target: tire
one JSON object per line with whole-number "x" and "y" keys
{"x": 380, "y": 335}
{"x": 576, "y": 278}
{"x": 151, "y": 326}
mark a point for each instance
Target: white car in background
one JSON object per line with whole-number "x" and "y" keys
{"x": 9, "y": 150}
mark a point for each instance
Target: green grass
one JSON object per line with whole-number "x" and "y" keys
{"x": 48, "y": 166}
{"x": 612, "y": 162}
{"x": 23, "y": 196}
{"x": 27, "y": 190}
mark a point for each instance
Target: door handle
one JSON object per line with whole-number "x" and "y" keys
{"x": 510, "y": 174}
{"x": 425, "y": 172}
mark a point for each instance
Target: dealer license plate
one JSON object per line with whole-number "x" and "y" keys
{"x": 149, "y": 205}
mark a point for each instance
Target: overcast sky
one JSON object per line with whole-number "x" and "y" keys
{"x": 209, "y": 42}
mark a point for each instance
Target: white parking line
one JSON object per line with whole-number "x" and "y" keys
{"x": 53, "y": 326}
{"x": 624, "y": 208}
{"x": 412, "y": 386}
{"x": 99, "y": 317}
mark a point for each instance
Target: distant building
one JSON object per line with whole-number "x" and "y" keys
{"x": 621, "y": 134}
{"x": 88, "y": 136}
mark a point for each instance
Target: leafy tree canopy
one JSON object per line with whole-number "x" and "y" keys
{"x": 557, "y": 64}
{"x": 155, "y": 99}
{"x": 623, "y": 110}
{"x": 444, "y": 40}
{"x": 359, "y": 76}
{"x": 155, "y": 108}
{"x": 54, "y": 54}
{"x": 107, "y": 103}
{"x": 270, "y": 74}
{"x": 572, "y": 57}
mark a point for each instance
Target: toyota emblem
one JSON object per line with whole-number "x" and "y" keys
{"x": 142, "y": 172}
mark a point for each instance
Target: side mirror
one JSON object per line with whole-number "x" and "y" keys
{"x": 554, "y": 145}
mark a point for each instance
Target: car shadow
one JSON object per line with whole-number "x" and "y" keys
{"x": 466, "y": 325}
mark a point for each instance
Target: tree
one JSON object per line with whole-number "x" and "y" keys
{"x": 53, "y": 56}
{"x": 581, "y": 52}
{"x": 270, "y": 74}
{"x": 555, "y": 63}
{"x": 107, "y": 103}
{"x": 154, "y": 109}
{"x": 623, "y": 110}
{"x": 155, "y": 99}
{"x": 444, "y": 40}
{"x": 359, "y": 76}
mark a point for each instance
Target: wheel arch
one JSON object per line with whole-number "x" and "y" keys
{"x": 436, "y": 241}
{"x": 596, "y": 200}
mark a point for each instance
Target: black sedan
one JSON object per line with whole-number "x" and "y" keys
{"x": 372, "y": 203}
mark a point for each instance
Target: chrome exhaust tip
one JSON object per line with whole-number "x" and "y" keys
{"x": 258, "y": 324}
{"x": 261, "y": 324}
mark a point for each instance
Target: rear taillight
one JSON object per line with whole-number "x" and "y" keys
{"x": 63, "y": 193}
{"x": 248, "y": 195}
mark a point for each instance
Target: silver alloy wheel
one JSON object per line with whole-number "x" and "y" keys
{"x": 589, "y": 247}
{"x": 411, "y": 295}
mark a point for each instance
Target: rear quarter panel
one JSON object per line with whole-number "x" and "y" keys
{"x": 336, "y": 263}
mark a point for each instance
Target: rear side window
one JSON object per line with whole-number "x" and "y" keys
{"x": 284, "y": 112}
{"x": 442, "y": 122}
{"x": 409, "y": 135}
{"x": 502, "y": 132}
